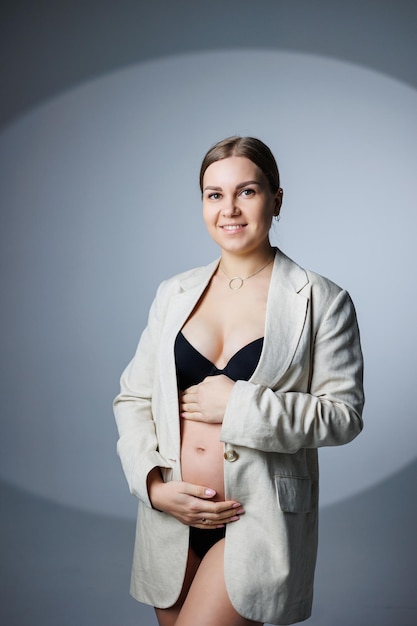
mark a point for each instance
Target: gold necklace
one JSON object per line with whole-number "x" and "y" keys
{"x": 236, "y": 282}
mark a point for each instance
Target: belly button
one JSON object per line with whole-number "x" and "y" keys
{"x": 199, "y": 449}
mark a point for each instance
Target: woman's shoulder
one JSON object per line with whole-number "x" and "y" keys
{"x": 323, "y": 283}
{"x": 303, "y": 278}
{"x": 187, "y": 279}
{"x": 323, "y": 293}
{"x": 328, "y": 297}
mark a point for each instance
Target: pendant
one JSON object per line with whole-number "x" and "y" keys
{"x": 235, "y": 283}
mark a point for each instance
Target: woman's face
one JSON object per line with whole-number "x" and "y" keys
{"x": 238, "y": 205}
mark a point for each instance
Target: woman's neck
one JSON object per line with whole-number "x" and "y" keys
{"x": 245, "y": 265}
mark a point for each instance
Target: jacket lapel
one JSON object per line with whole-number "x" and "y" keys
{"x": 286, "y": 315}
{"x": 181, "y": 306}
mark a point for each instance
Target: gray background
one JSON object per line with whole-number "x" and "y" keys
{"x": 79, "y": 210}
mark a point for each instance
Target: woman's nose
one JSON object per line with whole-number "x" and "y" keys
{"x": 230, "y": 208}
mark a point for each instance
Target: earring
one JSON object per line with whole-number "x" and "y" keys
{"x": 277, "y": 217}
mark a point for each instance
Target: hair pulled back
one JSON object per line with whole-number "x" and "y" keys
{"x": 251, "y": 148}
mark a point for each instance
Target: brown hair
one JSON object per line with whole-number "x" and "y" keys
{"x": 253, "y": 149}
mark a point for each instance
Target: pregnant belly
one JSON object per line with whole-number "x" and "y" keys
{"x": 202, "y": 458}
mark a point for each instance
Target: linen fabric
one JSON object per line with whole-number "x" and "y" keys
{"x": 306, "y": 392}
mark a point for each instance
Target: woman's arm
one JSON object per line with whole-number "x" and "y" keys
{"x": 329, "y": 414}
{"x": 137, "y": 446}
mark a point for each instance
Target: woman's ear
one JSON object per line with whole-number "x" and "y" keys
{"x": 278, "y": 201}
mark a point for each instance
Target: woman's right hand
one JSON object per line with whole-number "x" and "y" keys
{"x": 191, "y": 504}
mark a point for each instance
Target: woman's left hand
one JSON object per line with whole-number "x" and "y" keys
{"x": 206, "y": 402}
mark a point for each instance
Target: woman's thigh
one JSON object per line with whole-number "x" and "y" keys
{"x": 207, "y": 602}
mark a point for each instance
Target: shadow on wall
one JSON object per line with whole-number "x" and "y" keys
{"x": 39, "y": 39}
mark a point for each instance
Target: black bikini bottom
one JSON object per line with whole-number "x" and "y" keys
{"x": 202, "y": 540}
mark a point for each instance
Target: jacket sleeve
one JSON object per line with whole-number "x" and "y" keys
{"x": 137, "y": 446}
{"x": 329, "y": 414}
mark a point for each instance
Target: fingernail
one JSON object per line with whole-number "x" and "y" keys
{"x": 220, "y": 526}
{"x": 235, "y": 518}
{"x": 210, "y": 492}
{"x": 236, "y": 505}
{"x": 240, "y": 511}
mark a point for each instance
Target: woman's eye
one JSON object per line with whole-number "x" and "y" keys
{"x": 247, "y": 192}
{"x": 214, "y": 196}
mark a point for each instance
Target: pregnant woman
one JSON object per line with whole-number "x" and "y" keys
{"x": 245, "y": 368}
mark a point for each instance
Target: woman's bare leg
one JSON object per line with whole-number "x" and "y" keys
{"x": 207, "y": 602}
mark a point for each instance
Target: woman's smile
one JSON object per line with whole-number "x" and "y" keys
{"x": 232, "y": 228}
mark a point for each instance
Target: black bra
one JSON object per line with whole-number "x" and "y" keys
{"x": 192, "y": 367}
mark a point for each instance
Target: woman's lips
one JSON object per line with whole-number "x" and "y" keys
{"x": 233, "y": 228}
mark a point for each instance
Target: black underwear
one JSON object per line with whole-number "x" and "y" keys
{"x": 201, "y": 540}
{"x": 192, "y": 367}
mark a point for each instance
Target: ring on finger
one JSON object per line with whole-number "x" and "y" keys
{"x": 204, "y": 520}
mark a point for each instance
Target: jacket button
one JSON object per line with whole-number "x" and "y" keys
{"x": 231, "y": 455}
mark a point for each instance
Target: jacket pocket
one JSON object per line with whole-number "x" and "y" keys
{"x": 294, "y": 493}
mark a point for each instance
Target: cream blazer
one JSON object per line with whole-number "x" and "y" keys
{"x": 306, "y": 392}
